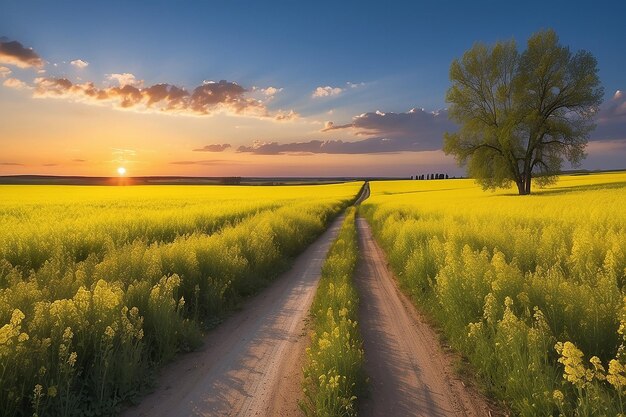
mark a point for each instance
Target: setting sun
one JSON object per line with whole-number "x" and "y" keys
{"x": 121, "y": 171}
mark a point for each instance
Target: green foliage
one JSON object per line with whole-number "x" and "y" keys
{"x": 507, "y": 279}
{"x": 117, "y": 281}
{"x": 520, "y": 114}
{"x": 333, "y": 375}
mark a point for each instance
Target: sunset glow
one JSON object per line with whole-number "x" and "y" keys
{"x": 274, "y": 95}
{"x": 121, "y": 171}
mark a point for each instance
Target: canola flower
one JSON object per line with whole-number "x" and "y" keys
{"x": 101, "y": 285}
{"x": 507, "y": 277}
{"x": 333, "y": 375}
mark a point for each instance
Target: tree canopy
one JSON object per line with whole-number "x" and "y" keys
{"x": 521, "y": 114}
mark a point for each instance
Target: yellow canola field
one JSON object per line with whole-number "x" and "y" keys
{"x": 101, "y": 285}
{"x": 529, "y": 288}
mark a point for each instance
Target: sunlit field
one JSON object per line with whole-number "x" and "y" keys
{"x": 100, "y": 285}
{"x": 530, "y": 289}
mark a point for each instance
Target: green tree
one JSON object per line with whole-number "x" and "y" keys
{"x": 521, "y": 114}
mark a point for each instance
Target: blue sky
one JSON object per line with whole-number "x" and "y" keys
{"x": 396, "y": 55}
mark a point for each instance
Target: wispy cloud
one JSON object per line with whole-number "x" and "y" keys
{"x": 213, "y": 148}
{"x": 4, "y": 72}
{"x": 79, "y": 63}
{"x": 11, "y": 164}
{"x": 14, "y": 53}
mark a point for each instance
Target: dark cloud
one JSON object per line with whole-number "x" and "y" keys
{"x": 364, "y": 146}
{"x": 206, "y": 99}
{"x": 611, "y": 120}
{"x": 213, "y": 148}
{"x": 417, "y": 129}
{"x": 14, "y": 53}
{"x": 413, "y": 131}
{"x": 49, "y": 165}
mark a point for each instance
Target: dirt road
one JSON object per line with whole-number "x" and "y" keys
{"x": 251, "y": 365}
{"x": 409, "y": 374}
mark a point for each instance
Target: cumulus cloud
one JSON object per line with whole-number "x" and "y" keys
{"x": 14, "y": 53}
{"x": 15, "y": 83}
{"x": 4, "y": 72}
{"x": 283, "y": 116}
{"x": 79, "y": 63}
{"x": 269, "y": 91}
{"x": 125, "y": 79}
{"x": 326, "y": 91}
{"x": 209, "y": 98}
{"x": 213, "y": 148}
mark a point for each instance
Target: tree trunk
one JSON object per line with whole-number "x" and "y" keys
{"x": 523, "y": 184}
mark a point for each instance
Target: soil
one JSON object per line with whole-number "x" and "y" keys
{"x": 409, "y": 373}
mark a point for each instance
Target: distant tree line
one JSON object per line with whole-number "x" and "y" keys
{"x": 430, "y": 177}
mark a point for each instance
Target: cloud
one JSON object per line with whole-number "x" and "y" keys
{"x": 283, "y": 116}
{"x": 209, "y": 162}
{"x": 269, "y": 91}
{"x": 355, "y": 85}
{"x": 49, "y": 165}
{"x": 15, "y": 83}
{"x": 611, "y": 119}
{"x": 213, "y": 148}
{"x": 326, "y": 91}
{"x": 207, "y": 99}
{"x": 79, "y": 63}
{"x": 11, "y": 164}
{"x": 79, "y": 160}
{"x": 4, "y": 72}
{"x": 14, "y": 53}
{"x": 125, "y": 79}
{"x": 416, "y": 128}
{"x": 414, "y": 131}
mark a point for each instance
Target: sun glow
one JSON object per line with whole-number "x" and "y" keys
{"x": 121, "y": 171}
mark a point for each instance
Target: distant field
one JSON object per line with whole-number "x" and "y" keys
{"x": 530, "y": 289}
{"x": 100, "y": 285}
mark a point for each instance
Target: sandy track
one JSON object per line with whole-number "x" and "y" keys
{"x": 409, "y": 373}
{"x": 251, "y": 365}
